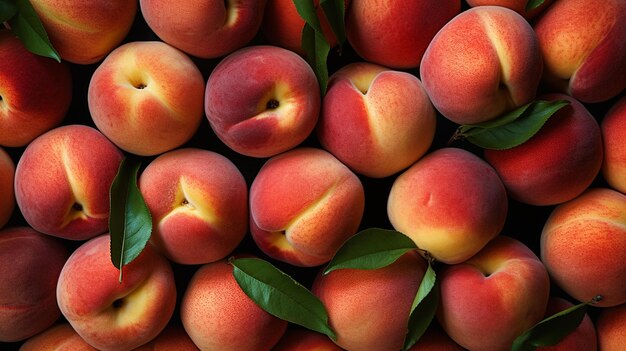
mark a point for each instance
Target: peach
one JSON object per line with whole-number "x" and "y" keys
{"x": 611, "y": 328}
{"x": 7, "y": 194}
{"x": 60, "y": 337}
{"x": 303, "y": 205}
{"x": 204, "y": 28}
{"x": 147, "y": 97}
{"x": 518, "y": 6}
{"x": 218, "y": 315}
{"x": 84, "y": 32}
{"x": 435, "y": 339}
{"x": 62, "y": 182}
{"x": 30, "y": 264}
{"x": 451, "y": 203}
{"x": 369, "y": 309}
{"x": 262, "y": 100}
{"x": 582, "y": 338}
{"x": 613, "y": 129}
{"x": 584, "y": 56}
{"x": 489, "y": 57}
{"x": 172, "y": 338}
{"x": 110, "y": 315}
{"x": 556, "y": 164}
{"x": 305, "y": 340}
{"x": 504, "y": 287}
{"x": 583, "y": 244}
{"x": 396, "y": 35}
{"x": 375, "y": 120}
{"x": 35, "y": 92}
{"x": 199, "y": 205}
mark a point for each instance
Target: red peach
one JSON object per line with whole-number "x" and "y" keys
{"x": 518, "y": 6}
{"x": 7, "y": 194}
{"x": 613, "y": 128}
{"x": 173, "y": 338}
{"x": 435, "y": 339}
{"x": 61, "y": 337}
{"x": 305, "y": 340}
{"x": 611, "y": 328}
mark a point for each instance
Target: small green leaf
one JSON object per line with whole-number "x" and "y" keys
{"x": 130, "y": 222}
{"x": 335, "y": 12}
{"x": 533, "y": 4}
{"x": 27, "y": 26}
{"x": 424, "y": 308}
{"x": 306, "y": 10}
{"x": 371, "y": 249}
{"x": 511, "y": 129}
{"x": 317, "y": 49}
{"x": 279, "y": 295}
{"x": 7, "y": 10}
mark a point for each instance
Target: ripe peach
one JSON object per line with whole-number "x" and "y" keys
{"x": 582, "y": 338}
{"x": 396, "y": 36}
{"x": 62, "y": 182}
{"x": 110, "y": 315}
{"x": 199, "y": 205}
{"x": 583, "y": 244}
{"x": 451, "y": 203}
{"x": 611, "y": 328}
{"x": 30, "y": 264}
{"x": 489, "y": 57}
{"x": 518, "y": 6}
{"x": 504, "y": 287}
{"x": 84, "y": 32}
{"x": 173, "y": 338}
{"x": 435, "y": 339}
{"x": 262, "y": 100}
{"x": 375, "y": 120}
{"x": 204, "y": 28}
{"x": 7, "y": 194}
{"x": 147, "y": 97}
{"x": 584, "y": 56}
{"x": 305, "y": 340}
{"x": 303, "y": 205}
{"x": 369, "y": 309}
{"x": 35, "y": 92}
{"x": 60, "y": 337}
{"x": 556, "y": 164}
{"x": 613, "y": 128}
{"x": 218, "y": 315}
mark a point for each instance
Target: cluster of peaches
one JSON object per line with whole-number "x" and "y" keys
{"x": 244, "y": 155}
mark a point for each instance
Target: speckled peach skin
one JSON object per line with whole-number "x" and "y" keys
{"x": 7, "y": 194}
{"x": 59, "y": 337}
{"x": 611, "y": 328}
{"x": 582, "y": 338}
{"x": 613, "y": 128}
{"x": 518, "y": 6}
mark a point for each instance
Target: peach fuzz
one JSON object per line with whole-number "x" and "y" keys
{"x": 300, "y": 339}
{"x": 199, "y": 205}
{"x": 110, "y": 315}
{"x": 35, "y": 92}
{"x": 369, "y": 309}
{"x": 584, "y": 56}
{"x": 204, "y": 28}
{"x": 583, "y": 245}
{"x": 481, "y": 64}
{"x": 503, "y": 288}
{"x": 84, "y": 32}
{"x": 219, "y": 316}
{"x": 60, "y": 337}
{"x": 262, "y": 100}
{"x": 303, "y": 205}
{"x": 30, "y": 264}
{"x": 173, "y": 338}
{"x": 375, "y": 120}
{"x": 613, "y": 128}
{"x": 556, "y": 164}
{"x": 611, "y": 328}
{"x": 7, "y": 194}
{"x": 147, "y": 97}
{"x": 450, "y": 216}
{"x": 518, "y": 6}
{"x": 396, "y": 36}
{"x": 582, "y": 338}
{"x": 62, "y": 182}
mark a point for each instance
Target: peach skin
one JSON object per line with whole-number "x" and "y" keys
{"x": 7, "y": 194}
{"x": 219, "y": 316}
{"x": 435, "y": 339}
{"x": 83, "y": 32}
{"x": 375, "y": 120}
{"x": 582, "y": 338}
{"x": 396, "y": 36}
{"x": 262, "y": 100}
{"x": 481, "y": 64}
{"x": 204, "y": 28}
{"x": 504, "y": 287}
{"x": 584, "y": 56}
{"x": 611, "y": 328}
{"x": 35, "y": 92}
{"x": 518, "y": 6}
{"x": 199, "y": 205}
{"x": 613, "y": 129}
{"x": 301, "y": 339}
{"x": 303, "y": 205}
{"x": 60, "y": 337}
{"x": 449, "y": 216}
{"x": 556, "y": 164}
{"x": 173, "y": 338}
{"x": 62, "y": 182}
{"x": 30, "y": 264}
{"x": 583, "y": 245}
{"x": 110, "y": 315}
{"x": 147, "y": 97}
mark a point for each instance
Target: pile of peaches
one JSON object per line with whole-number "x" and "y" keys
{"x": 244, "y": 155}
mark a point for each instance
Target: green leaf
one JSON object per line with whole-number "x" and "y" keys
{"x": 511, "y": 129}
{"x": 27, "y": 26}
{"x": 130, "y": 222}
{"x": 280, "y": 295}
{"x": 306, "y": 10}
{"x": 335, "y": 12}
{"x": 8, "y": 9}
{"x": 371, "y": 249}
{"x": 533, "y": 4}
{"x": 317, "y": 49}
{"x": 424, "y": 308}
